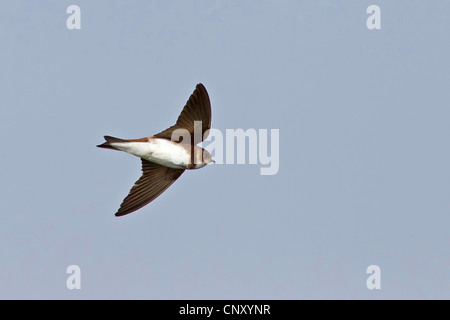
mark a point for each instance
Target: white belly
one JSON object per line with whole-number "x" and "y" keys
{"x": 161, "y": 151}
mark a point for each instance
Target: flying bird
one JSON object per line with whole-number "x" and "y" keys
{"x": 163, "y": 158}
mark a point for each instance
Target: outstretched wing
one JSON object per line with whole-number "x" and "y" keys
{"x": 197, "y": 108}
{"x": 155, "y": 180}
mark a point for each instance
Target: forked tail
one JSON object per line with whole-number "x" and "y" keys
{"x": 107, "y": 144}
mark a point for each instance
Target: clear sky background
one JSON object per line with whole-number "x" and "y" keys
{"x": 364, "y": 172}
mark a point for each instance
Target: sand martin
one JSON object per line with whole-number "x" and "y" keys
{"x": 164, "y": 158}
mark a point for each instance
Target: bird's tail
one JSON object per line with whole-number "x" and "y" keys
{"x": 107, "y": 144}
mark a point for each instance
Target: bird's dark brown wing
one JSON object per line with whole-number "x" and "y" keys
{"x": 197, "y": 108}
{"x": 155, "y": 180}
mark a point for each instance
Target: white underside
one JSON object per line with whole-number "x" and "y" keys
{"x": 161, "y": 151}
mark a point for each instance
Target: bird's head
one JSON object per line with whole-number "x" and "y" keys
{"x": 207, "y": 157}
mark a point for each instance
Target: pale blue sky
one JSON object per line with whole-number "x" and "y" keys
{"x": 364, "y": 159}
